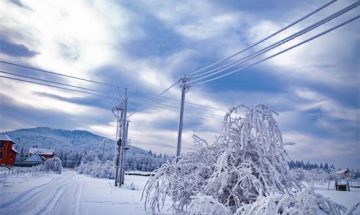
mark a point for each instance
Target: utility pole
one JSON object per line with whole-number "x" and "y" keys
{"x": 184, "y": 89}
{"x": 118, "y": 113}
{"x": 126, "y": 147}
{"x": 123, "y": 139}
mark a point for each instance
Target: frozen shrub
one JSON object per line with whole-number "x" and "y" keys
{"x": 97, "y": 169}
{"x": 204, "y": 205}
{"x": 246, "y": 161}
{"x": 52, "y": 164}
{"x": 305, "y": 202}
{"x": 354, "y": 209}
{"x": 298, "y": 174}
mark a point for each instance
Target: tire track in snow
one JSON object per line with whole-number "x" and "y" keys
{"x": 31, "y": 203}
{"x": 78, "y": 201}
{"x": 51, "y": 204}
{"x": 29, "y": 193}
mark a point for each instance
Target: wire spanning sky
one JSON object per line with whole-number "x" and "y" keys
{"x": 147, "y": 45}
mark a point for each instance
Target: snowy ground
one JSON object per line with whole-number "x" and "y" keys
{"x": 71, "y": 193}
{"x": 348, "y": 199}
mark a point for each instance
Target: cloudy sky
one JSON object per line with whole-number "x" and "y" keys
{"x": 147, "y": 45}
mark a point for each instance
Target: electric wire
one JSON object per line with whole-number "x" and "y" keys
{"x": 264, "y": 39}
{"x": 281, "y": 52}
{"x": 157, "y": 96}
{"x": 189, "y": 103}
{"x": 63, "y": 88}
{"x": 279, "y": 43}
{"x": 202, "y": 115}
{"x": 173, "y": 107}
{"x": 54, "y": 73}
{"x": 52, "y": 82}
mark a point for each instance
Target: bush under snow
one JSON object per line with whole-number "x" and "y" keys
{"x": 305, "y": 202}
{"x": 53, "y": 164}
{"x": 97, "y": 169}
{"x": 243, "y": 172}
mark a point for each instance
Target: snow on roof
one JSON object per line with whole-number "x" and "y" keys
{"x": 34, "y": 158}
{"x": 41, "y": 151}
{"x": 5, "y": 138}
{"x": 342, "y": 171}
{"x": 14, "y": 150}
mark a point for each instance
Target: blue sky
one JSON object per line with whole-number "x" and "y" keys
{"x": 147, "y": 45}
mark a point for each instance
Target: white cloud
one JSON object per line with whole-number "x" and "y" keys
{"x": 323, "y": 60}
{"x": 311, "y": 148}
{"x": 308, "y": 94}
{"x": 207, "y": 28}
{"x": 73, "y": 38}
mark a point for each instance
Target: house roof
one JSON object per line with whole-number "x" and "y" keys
{"x": 5, "y": 137}
{"x": 41, "y": 151}
{"x": 342, "y": 171}
{"x": 14, "y": 150}
{"x": 35, "y": 158}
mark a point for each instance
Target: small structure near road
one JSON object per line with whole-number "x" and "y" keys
{"x": 342, "y": 180}
{"x": 38, "y": 156}
{"x": 45, "y": 153}
{"x": 34, "y": 160}
{"x": 7, "y": 151}
{"x": 344, "y": 173}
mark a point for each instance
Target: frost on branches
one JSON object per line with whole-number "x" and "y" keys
{"x": 245, "y": 168}
{"x": 305, "y": 202}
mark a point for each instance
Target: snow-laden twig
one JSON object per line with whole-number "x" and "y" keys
{"x": 305, "y": 202}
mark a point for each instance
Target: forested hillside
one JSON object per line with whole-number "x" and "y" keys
{"x": 74, "y": 147}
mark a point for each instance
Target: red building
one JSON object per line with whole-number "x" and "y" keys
{"x": 7, "y": 151}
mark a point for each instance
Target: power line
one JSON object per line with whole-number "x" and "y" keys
{"x": 175, "y": 108}
{"x": 279, "y": 43}
{"x": 281, "y": 52}
{"x": 53, "y": 82}
{"x": 190, "y": 103}
{"x": 63, "y": 88}
{"x": 157, "y": 96}
{"x": 175, "y": 100}
{"x": 54, "y": 73}
{"x": 266, "y": 38}
{"x": 201, "y": 114}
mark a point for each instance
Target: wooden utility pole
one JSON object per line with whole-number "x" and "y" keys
{"x": 118, "y": 148}
{"x": 184, "y": 89}
{"x": 117, "y": 111}
{"x": 126, "y": 147}
{"x": 124, "y": 125}
{"x": 120, "y": 113}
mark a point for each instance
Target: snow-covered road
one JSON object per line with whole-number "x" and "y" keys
{"x": 73, "y": 194}
{"x": 60, "y": 195}
{"x": 69, "y": 193}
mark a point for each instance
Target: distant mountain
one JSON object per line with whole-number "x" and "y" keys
{"x": 78, "y": 145}
{"x": 44, "y": 137}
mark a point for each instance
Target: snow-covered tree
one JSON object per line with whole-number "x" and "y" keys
{"x": 246, "y": 161}
{"x": 54, "y": 164}
{"x": 245, "y": 170}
